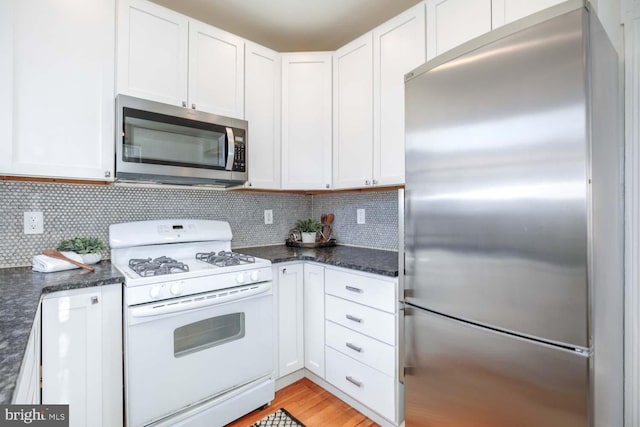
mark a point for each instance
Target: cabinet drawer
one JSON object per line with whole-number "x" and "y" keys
{"x": 361, "y": 348}
{"x": 380, "y": 294}
{"x": 366, "y": 320}
{"x": 365, "y": 384}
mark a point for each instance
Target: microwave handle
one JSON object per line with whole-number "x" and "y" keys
{"x": 232, "y": 149}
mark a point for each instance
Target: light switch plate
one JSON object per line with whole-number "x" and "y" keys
{"x": 360, "y": 216}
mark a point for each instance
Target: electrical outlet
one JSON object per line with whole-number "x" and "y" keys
{"x": 268, "y": 216}
{"x": 360, "y": 216}
{"x": 33, "y": 223}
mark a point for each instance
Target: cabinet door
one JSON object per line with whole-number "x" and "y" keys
{"x": 152, "y": 52}
{"x": 306, "y": 121}
{"x": 72, "y": 356}
{"x": 27, "y": 391}
{"x": 290, "y": 319}
{"x": 57, "y": 80}
{"x": 216, "y": 71}
{"x": 506, "y": 11}
{"x": 353, "y": 114}
{"x": 262, "y": 110}
{"x": 399, "y": 47}
{"x": 314, "y": 319}
{"x": 82, "y": 354}
{"x": 453, "y": 22}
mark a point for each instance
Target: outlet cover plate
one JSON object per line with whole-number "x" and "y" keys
{"x": 360, "y": 216}
{"x": 268, "y": 216}
{"x": 33, "y": 223}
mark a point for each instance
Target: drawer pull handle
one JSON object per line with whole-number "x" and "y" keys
{"x": 355, "y": 319}
{"x": 352, "y": 289}
{"x": 353, "y": 381}
{"x": 354, "y": 347}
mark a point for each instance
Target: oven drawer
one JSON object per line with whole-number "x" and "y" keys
{"x": 362, "y": 348}
{"x": 380, "y": 294}
{"x": 365, "y": 384}
{"x": 366, "y": 320}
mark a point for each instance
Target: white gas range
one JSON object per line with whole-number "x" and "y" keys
{"x": 198, "y": 323}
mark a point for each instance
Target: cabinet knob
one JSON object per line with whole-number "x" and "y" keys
{"x": 249, "y": 184}
{"x": 107, "y": 174}
{"x": 193, "y": 106}
{"x": 327, "y": 186}
{"x": 375, "y": 182}
{"x": 94, "y": 300}
{"x": 184, "y": 103}
{"x": 284, "y": 271}
{"x": 367, "y": 182}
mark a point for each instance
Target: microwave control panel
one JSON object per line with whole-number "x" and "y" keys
{"x": 240, "y": 153}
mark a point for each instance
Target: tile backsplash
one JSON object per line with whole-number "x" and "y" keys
{"x": 380, "y": 230}
{"x": 72, "y": 210}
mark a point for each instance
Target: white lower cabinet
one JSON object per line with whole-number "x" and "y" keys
{"x": 27, "y": 390}
{"x": 314, "y": 319}
{"x": 362, "y": 382}
{"x": 361, "y": 339}
{"x": 341, "y": 325}
{"x": 290, "y": 318}
{"x": 82, "y": 354}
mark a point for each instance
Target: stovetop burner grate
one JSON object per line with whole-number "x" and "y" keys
{"x": 224, "y": 258}
{"x": 146, "y": 267}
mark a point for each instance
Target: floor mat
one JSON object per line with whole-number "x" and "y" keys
{"x": 280, "y": 418}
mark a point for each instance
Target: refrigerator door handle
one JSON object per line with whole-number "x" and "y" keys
{"x": 401, "y": 313}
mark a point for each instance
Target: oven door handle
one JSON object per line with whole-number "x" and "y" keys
{"x": 194, "y": 302}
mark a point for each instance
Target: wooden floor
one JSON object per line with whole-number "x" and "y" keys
{"x": 312, "y": 405}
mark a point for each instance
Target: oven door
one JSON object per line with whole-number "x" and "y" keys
{"x": 194, "y": 349}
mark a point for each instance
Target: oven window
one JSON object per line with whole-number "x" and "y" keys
{"x": 208, "y": 333}
{"x": 172, "y": 141}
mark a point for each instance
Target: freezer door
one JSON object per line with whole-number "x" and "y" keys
{"x": 496, "y": 184}
{"x": 460, "y": 375}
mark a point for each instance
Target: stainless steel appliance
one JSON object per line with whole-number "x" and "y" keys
{"x": 162, "y": 143}
{"x": 513, "y": 241}
{"x": 198, "y": 339}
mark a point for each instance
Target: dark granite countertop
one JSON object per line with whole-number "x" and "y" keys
{"x": 368, "y": 260}
{"x": 20, "y": 291}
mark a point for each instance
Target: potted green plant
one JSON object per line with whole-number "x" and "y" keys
{"x": 90, "y": 248}
{"x": 308, "y": 229}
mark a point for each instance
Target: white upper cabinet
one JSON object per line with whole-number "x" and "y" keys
{"x": 453, "y": 22}
{"x": 353, "y": 114}
{"x": 398, "y": 47}
{"x": 368, "y": 124}
{"x": 506, "y": 11}
{"x": 152, "y": 52}
{"x": 216, "y": 70}
{"x": 167, "y": 57}
{"x": 57, "y": 86}
{"x": 306, "y": 121}
{"x": 262, "y": 111}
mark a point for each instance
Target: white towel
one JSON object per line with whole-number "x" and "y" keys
{"x": 46, "y": 264}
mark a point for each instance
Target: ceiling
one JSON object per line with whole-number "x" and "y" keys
{"x": 293, "y": 25}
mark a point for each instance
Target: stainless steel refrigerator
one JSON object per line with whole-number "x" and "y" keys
{"x": 513, "y": 284}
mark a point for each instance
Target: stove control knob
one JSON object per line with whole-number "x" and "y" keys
{"x": 254, "y": 276}
{"x": 240, "y": 278}
{"x": 176, "y": 288}
{"x": 154, "y": 292}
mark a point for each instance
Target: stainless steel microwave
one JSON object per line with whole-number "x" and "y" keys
{"x": 162, "y": 143}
